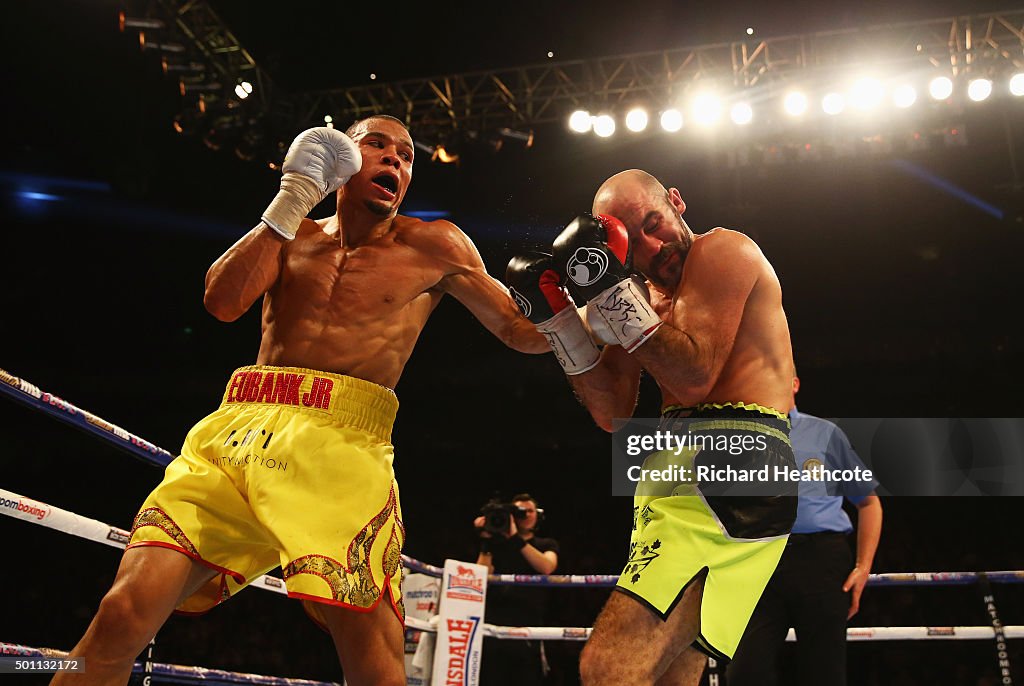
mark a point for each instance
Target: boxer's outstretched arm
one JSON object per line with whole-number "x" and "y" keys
{"x": 242, "y": 274}
{"x": 687, "y": 354}
{"x": 610, "y": 389}
{"x": 467, "y": 280}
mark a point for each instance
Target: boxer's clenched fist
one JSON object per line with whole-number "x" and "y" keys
{"x": 319, "y": 161}
{"x": 594, "y": 254}
{"x": 536, "y": 287}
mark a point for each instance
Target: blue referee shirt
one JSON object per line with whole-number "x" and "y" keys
{"x": 819, "y": 440}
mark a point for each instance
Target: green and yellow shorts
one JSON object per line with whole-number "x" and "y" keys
{"x": 683, "y": 529}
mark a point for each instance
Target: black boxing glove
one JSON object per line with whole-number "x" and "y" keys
{"x": 594, "y": 254}
{"x": 537, "y": 289}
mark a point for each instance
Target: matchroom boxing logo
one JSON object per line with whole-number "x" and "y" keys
{"x": 586, "y": 266}
{"x": 27, "y": 508}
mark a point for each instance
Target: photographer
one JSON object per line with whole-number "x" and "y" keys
{"x": 508, "y": 545}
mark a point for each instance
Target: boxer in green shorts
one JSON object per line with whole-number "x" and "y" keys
{"x": 709, "y": 327}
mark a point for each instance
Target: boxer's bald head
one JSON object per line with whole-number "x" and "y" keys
{"x": 652, "y": 216}
{"x": 632, "y": 182}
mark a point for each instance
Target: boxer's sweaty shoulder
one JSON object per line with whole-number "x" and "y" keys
{"x": 441, "y": 244}
{"x": 354, "y": 310}
{"x": 758, "y": 367}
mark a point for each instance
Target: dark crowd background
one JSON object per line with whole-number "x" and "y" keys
{"x": 903, "y": 301}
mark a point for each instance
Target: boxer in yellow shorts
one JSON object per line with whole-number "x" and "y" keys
{"x": 294, "y": 469}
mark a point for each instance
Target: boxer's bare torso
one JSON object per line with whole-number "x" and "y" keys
{"x": 357, "y": 310}
{"x": 351, "y": 293}
{"x": 757, "y": 368}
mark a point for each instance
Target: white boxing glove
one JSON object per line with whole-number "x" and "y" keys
{"x": 597, "y": 326}
{"x": 319, "y": 162}
{"x": 623, "y": 314}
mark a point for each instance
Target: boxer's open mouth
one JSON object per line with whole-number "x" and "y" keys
{"x": 388, "y": 183}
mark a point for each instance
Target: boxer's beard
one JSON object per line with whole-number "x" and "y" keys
{"x": 671, "y": 280}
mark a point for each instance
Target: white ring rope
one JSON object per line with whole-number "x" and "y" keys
{"x": 36, "y": 512}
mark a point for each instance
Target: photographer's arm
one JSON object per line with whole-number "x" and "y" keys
{"x": 485, "y": 557}
{"x": 544, "y": 563}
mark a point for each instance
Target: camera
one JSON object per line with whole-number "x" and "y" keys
{"x": 496, "y": 514}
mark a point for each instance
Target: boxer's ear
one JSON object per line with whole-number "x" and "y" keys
{"x": 676, "y": 200}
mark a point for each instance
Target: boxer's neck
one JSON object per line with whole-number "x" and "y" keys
{"x": 359, "y": 226}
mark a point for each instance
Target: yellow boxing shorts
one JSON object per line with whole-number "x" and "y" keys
{"x": 294, "y": 469}
{"x": 685, "y": 528}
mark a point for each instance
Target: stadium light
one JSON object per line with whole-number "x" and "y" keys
{"x": 833, "y": 103}
{"x": 243, "y": 90}
{"x": 795, "y": 103}
{"x": 866, "y": 94}
{"x": 671, "y": 120}
{"x": 904, "y": 96}
{"x": 979, "y": 89}
{"x": 580, "y": 121}
{"x": 941, "y": 87}
{"x": 706, "y": 109}
{"x": 741, "y": 114}
{"x": 1017, "y": 84}
{"x": 604, "y": 125}
{"x": 636, "y": 119}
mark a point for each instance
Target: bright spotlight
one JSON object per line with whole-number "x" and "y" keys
{"x": 979, "y": 89}
{"x": 579, "y": 121}
{"x": 243, "y": 90}
{"x": 1017, "y": 84}
{"x": 636, "y": 119}
{"x": 904, "y": 96}
{"x": 866, "y": 94}
{"x": 795, "y": 103}
{"x": 741, "y": 113}
{"x": 706, "y": 109}
{"x": 604, "y": 125}
{"x": 941, "y": 87}
{"x": 672, "y": 120}
{"x": 833, "y": 103}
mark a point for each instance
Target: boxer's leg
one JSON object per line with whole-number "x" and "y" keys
{"x": 633, "y": 645}
{"x": 150, "y": 583}
{"x": 370, "y": 644}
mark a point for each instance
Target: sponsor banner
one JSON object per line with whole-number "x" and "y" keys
{"x": 20, "y": 507}
{"x": 9, "y": 379}
{"x": 119, "y": 536}
{"x": 23, "y": 508}
{"x": 460, "y": 629}
{"x": 271, "y": 583}
{"x": 421, "y": 594}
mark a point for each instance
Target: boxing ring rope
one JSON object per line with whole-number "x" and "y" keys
{"x": 29, "y": 394}
{"x": 172, "y": 673}
{"x": 36, "y": 512}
